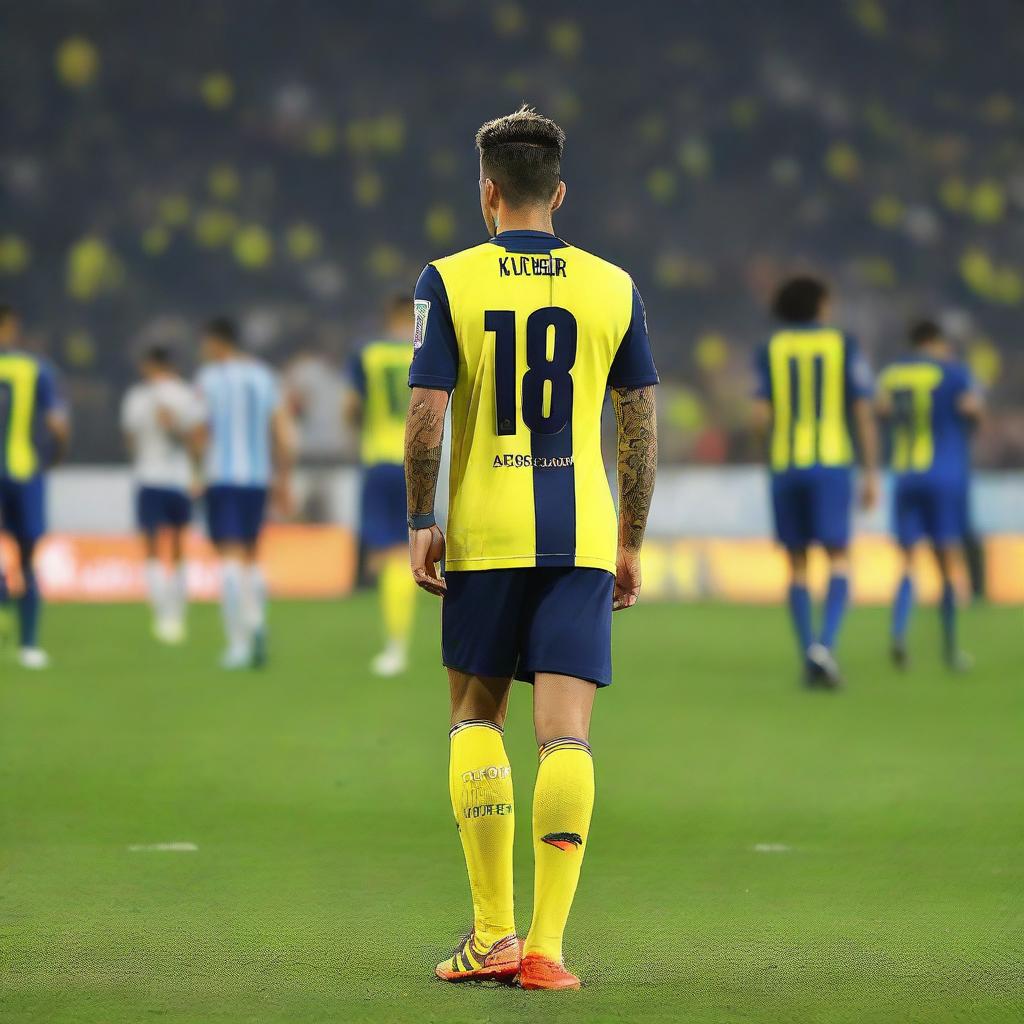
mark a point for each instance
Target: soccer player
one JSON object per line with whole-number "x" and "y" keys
{"x": 34, "y": 434}
{"x": 811, "y": 382}
{"x": 930, "y": 403}
{"x": 159, "y": 417}
{"x": 248, "y": 444}
{"x": 526, "y": 333}
{"x": 378, "y": 403}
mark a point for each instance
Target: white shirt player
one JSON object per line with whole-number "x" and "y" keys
{"x": 160, "y": 454}
{"x": 241, "y": 396}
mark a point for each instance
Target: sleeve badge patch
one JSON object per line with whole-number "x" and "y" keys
{"x": 419, "y": 331}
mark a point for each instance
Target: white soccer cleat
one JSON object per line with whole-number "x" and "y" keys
{"x": 392, "y": 661}
{"x": 34, "y": 658}
{"x": 169, "y": 631}
{"x": 235, "y": 658}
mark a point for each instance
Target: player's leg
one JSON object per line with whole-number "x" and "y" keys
{"x": 479, "y": 626}
{"x": 396, "y": 590}
{"x": 148, "y": 519}
{"x": 830, "y": 506}
{"x": 945, "y": 526}
{"x": 567, "y": 655}
{"x": 177, "y": 518}
{"x": 908, "y": 528}
{"x": 792, "y": 530}
{"x": 254, "y": 582}
{"x": 385, "y": 535}
{"x": 27, "y": 524}
{"x": 902, "y": 605}
{"x": 225, "y": 529}
{"x": 6, "y": 618}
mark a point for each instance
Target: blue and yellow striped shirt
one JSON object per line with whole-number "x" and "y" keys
{"x": 28, "y": 391}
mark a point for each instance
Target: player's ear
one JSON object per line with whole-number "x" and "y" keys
{"x": 559, "y": 196}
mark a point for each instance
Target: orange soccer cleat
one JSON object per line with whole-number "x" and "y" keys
{"x": 500, "y": 962}
{"x": 537, "y": 972}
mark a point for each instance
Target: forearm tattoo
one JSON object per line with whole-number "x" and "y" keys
{"x": 423, "y": 432}
{"x": 636, "y": 416}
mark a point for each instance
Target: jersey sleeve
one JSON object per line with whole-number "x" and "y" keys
{"x": 130, "y": 411}
{"x": 435, "y": 355}
{"x": 860, "y": 381}
{"x": 357, "y": 374}
{"x": 633, "y": 365}
{"x": 48, "y": 397}
{"x": 762, "y": 374}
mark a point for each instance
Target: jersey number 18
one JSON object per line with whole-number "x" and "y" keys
{"x": 547, "y": 383}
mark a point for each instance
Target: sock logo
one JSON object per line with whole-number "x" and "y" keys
{"x": 565, "y": 841}
{"x": 491, "y": 772}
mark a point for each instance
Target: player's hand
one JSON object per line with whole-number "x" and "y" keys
{"x": 197, "y": 488}
{"x": 165, "y": 417}
{"x": 627, "y": 579}
{"x": 426, "y": 549}
{"x": 282, "y": 497}
{"x": 869, "y": 491}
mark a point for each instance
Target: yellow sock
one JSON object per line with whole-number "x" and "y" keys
{"x": 397, "y": 591}
{"x": 480, "y": 783}
{"x": 563, "y": 802}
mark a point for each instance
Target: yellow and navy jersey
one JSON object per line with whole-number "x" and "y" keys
{"x": 811, "y": 374}
{"x": 926, "y": 432}
{"x": 379, "y": 372}
{"x": 528, "y": 332}
{"x": 28, "y": 392}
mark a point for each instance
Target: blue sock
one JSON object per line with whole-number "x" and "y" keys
{"x": 835, "y": 608}
{"x": 948, "y": 611}
{"x": 800, "y": 610}
{"x": 901, "y": 608}
{"x": 28, "y": 608}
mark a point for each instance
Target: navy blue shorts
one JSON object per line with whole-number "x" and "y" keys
{"x": 812, "y": 506}
{"x": 932, "y": 509}
{"x": 517, "y": 622}
{"x": 383, "y": 521}
{"x": 235, "y": 514}
{"x": 23, "y": 508}
{"x": 157, "y": 507}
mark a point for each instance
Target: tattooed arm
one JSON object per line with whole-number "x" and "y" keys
{"x": 424, "y": 429}
{"x": 636, "y": 417}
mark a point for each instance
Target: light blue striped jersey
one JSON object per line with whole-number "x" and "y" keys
{"x": 241, "y": 396}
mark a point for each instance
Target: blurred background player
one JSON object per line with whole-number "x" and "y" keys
{"x": 811, "y": 379}
{"x": 930, "y": 403}
{"x": 378, "y": 403}
{"x": 248, "y": 458}
{"x": 34, "y": 435}
{"x": 536, "y": 560}
{"x": 159, "y": 417}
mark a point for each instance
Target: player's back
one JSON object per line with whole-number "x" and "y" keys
{"x": 27, "y": 393}
{"x": 530, "y": 332}
{"x": 928, "y": 436}
{"x": 380, "y": 372}
{"x": 811, "y": 374}
{"x": 160, "y": 455}
{"x": 240, "y": 397}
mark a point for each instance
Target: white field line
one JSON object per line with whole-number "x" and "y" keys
{"x": 771, "y": 848}
{"x": 163, "y": 848}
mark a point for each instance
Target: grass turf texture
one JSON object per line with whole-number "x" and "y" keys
{"x": 329, "y": 880}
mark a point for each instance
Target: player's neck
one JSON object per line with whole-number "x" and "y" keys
{"x": 529, "y": 219}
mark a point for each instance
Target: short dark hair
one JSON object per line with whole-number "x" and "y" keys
{"x": 522, "y": 153}
{"x": 7, "y": 311}
{"x": 799, "y": 300}
{"x": 223, "y": 328}
{"x": 159, "y": 355}
{"x": 923, "y": 331}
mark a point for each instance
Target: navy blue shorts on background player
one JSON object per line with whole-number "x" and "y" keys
{"x": 812, "y": 506}
{"x": 924, "y": 507}
{"x": 157, "y": 507}
{"x": 382, "y": 506}
{"x": 235, "y": 514}
{"x": 23, "y": 508}
{"x": 517, "y": 622}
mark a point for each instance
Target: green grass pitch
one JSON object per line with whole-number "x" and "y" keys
{"x": 758, "y": 853}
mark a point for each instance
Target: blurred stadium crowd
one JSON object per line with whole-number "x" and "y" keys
{"x": 296, "y": 163}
